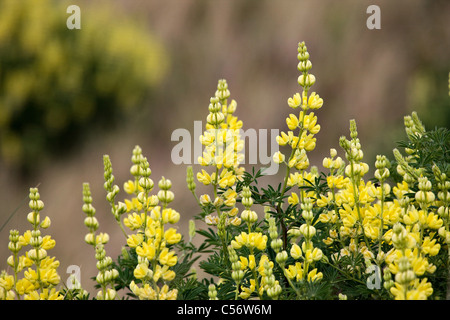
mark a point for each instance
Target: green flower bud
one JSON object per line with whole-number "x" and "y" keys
{"x": 190, "y": 178}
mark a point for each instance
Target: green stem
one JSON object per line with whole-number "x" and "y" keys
{"x": 355, "y": 184}
{"x": 380, "y": 236}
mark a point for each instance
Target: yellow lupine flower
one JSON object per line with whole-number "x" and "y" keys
{"x": 433, "y": 221}
{"x": 204, "y": 177}
{"x": 246, "y": 292}
{"x": 144, "y": 293}
{"x": 6, "y": 282}
{"x": 296, "y": 251}
{"x": 48, "y": 263}
{"x": 313, "y": 275}
{"x": 278, "y": 157}
{"x": 295, "y": 101}
{"x": 131, "y": 187}
{"x": 313, "y": 255}
{"x": 230, "y": 197}
{"x": 338, "y": 182}
{"x": 167, "y": 258}
{"x": 310, "y": 123}
{"x": 165, "y": 294}
{"x": 422, "y": 290}
{"x": 250, "y": 262}
{"x": 294, "y": 271}
{"x": 419, "y": 265}
{"x": 164, "y": 272}
{"x": 146, "y": 250}
{"x": 227, "y": 179}
{"x": 261, "y": 269}
{"x": 371, "y": 230}
{"x": 133, "y": 205}
{"x": 288, "y": 138}
{"x": 141, "y": 271}
{"x": 411, "y": 217}
{"x": 25, "y": 239}
{"x": 323, "y": 201}
{"x": 170, "y": 215}
{"x": 24, "y": 286}
{"x": 49, "y": 277}
{"x": 171, "y": 236}
{"x": 293, "y": 199}
{"x": 292, "y": 122}
{"x": 314, "y": 101}
{"x": 135, "y": 240}
{"x": 135, "y": 221}
{"x": 48, "y": 243}
{"x": 307, "y": 141}
{"x": 235, "y": 221}
{"x": 398, "y": 292}
{"x": 252, "y": 240}
{"x": 430, "y": 246}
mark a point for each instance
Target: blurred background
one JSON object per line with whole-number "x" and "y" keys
{"x": 139, "y": 69}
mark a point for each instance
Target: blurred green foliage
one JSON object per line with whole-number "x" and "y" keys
{"x": 57, "y": 84}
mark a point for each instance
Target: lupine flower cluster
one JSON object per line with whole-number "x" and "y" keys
{"x": 34, "y": 274}
{"x": 320, "y": 234}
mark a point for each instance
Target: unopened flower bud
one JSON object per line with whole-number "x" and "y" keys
{"x": 281, "y": 257}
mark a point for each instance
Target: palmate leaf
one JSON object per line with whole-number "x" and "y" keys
{"x": 216, "y": 266}
{"x": 211, "y": 238}
{"x": 191, "y": 289}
